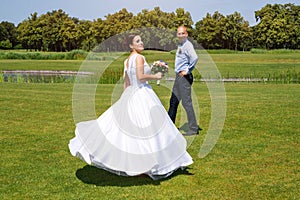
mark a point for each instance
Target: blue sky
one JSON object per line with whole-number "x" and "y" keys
{"x": 16, "y": 11}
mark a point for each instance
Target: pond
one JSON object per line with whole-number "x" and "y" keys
{"x": 51, "y": 76}
{"x": 40, "y": 76}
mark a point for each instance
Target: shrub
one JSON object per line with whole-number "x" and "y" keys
{"x": 56, "y": 56}
{"x": 14, "y": 55}
{"x": 258, "y": 51}
{"x": 275, "y": 51}
{"x": 76, "y": 55}
{"x": 5, "y": 44}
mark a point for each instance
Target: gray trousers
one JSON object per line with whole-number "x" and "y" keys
{"x": 182, "y": 92}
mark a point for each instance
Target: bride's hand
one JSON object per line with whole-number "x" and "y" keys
{"x": 158, "y": 75}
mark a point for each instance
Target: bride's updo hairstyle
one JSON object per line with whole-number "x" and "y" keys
{"x": 129, "y": 41}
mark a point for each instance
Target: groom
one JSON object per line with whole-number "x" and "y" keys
{"x": 185, "y": 62}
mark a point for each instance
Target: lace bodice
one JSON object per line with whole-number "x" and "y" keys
{"x": 131, "y": 70}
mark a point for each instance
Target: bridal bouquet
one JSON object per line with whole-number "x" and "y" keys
{"x": 159, "y": 66}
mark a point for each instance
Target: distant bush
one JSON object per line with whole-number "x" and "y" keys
{"x": 14, "y": 55}
{"x": 5, "y": 44}
{"x": 222, "y": 51}
{"x": 56, "y": 56}
{"x": 33, "y": 56}
{"x": 76, "y": 55}
{"x": 258, "y": 51}
{"x": 283, "y": 51}
{"x": 72, "y": 55}
{"x": 18, "y": 46}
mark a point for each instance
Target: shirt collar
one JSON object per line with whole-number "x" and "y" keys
{"x": 181, "y": 43}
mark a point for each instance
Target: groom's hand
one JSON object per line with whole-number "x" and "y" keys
{"x": 183, "y": 73}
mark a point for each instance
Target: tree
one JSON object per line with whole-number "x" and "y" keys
{"x": 85, "y": 36}
{"x": 219, "y": 32}
{"x": 278, "y": 26}
{"x": 5, "y": 44}
{"x": 160, "y": 28}
{"x": 183, "y": 18}
{"x": 30, "y": 33}
{"x": 209, "y": 31}
{"x": 59, "y": 33}
{"x": 113, "y": 25}
{"x": 235, "y": 32}
{"x": 8, "y": 35}
{"x": 155, "y": 27}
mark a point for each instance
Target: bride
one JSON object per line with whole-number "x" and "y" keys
{"x": 135, "y": 135}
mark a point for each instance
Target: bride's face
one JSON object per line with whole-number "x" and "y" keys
{"x": 137, "y": 44}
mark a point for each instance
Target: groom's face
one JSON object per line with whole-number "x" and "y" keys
{"x": 181, "y": 33}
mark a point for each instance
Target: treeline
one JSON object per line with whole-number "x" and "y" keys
{"x": 278, "y": 27}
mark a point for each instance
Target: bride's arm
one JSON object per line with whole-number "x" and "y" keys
{"x": 125, "y": 75}
{"x": 126, "y": 81}
{"x": 141, "y": 76}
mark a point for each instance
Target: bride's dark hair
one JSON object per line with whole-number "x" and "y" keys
{"x": 130, "y": 38}
{"x": 128, "y": 41}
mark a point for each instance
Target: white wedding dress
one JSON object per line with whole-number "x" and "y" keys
{"x": 134, "y": 136}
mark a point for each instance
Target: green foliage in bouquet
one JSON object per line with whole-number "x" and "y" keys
{"x": 159, "y": 66}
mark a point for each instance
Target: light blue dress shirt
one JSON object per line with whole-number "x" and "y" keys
{"x": 186, "y": 57}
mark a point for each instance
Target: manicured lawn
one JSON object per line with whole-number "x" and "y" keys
{"x": 256, "y": 65}
{"x": 72, "y": 65}
{"x": 257, "y": 155}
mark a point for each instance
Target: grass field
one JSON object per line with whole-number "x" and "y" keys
{"x": 257, "y": 155}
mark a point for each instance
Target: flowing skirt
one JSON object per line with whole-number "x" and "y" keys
{"x": 134, "y": 136}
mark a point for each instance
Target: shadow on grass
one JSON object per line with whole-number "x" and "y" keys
{"x": 99, "y": 177}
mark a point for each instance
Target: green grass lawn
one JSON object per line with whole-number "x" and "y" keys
{"x": 72, "y": 65}
{"x": 257, "y": 155}
{"x": 256, "y": 65}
